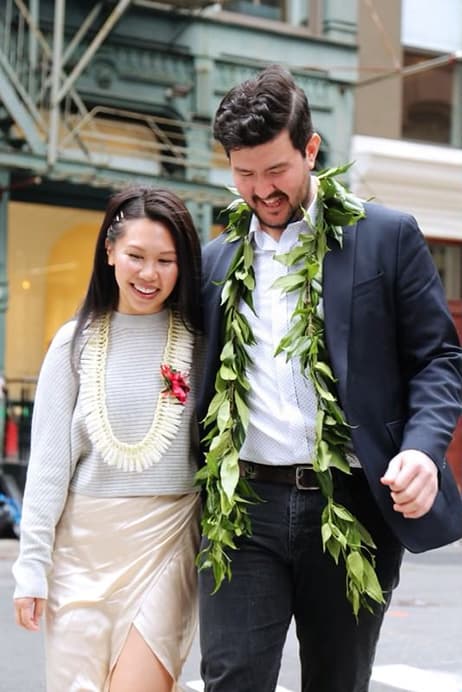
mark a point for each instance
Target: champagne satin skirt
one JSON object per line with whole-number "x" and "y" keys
{"x": 118, "y": 562}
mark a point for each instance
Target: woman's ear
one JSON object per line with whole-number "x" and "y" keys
{"x": 109, "y": 251}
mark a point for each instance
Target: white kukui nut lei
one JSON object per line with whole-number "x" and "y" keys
{"x": 169, "y": 410}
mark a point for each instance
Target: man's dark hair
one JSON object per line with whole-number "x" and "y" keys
{"x": 257, "y": 110}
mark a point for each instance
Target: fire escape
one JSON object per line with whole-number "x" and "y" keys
{"x": 47, "y": 130}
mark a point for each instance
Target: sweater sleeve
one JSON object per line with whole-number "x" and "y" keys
{"x": 50, "y": 466}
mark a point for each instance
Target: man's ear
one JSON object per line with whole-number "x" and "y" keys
{"x": 312, "y": 149}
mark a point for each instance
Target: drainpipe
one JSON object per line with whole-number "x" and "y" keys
{"x": 58, "y": 32}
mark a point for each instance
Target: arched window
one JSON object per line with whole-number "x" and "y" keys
{"x": 429, "y": 121}
{"x": 427, "y": 100}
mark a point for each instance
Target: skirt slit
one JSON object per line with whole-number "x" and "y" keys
{"x": 118, "y": 563}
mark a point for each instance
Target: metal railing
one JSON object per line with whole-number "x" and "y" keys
{"x": 27, "y": 59}
{"x": 97, "y": 136}
{"x": 114, "y": 131}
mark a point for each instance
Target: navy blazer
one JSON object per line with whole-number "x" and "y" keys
{"x": 393, "y": 349}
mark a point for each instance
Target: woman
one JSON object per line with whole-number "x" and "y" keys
{"x": 109, "y": 528}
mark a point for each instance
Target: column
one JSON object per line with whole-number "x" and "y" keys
{"x": 4, "y": 197}
{"x": 456, "y": 120}
{"x": 201, "y": 213}
{"x": 199, "y": 141}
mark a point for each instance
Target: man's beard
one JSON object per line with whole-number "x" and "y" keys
{"x": 295, "y": 214}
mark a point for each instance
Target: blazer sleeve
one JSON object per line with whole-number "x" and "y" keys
{"x": 430, "y": 355}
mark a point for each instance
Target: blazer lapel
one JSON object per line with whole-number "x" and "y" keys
{"x": 212, "y": 291}
{"x": 223, "y": 260}
{"x": 338, "y": 286}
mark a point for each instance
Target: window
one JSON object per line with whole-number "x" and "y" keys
{"x": 448, "y": 261}
{"x": 268, "y": 9}
{"x": 427, "y": 101}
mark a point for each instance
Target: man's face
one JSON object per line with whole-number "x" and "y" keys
{"x": 274, "y": 179}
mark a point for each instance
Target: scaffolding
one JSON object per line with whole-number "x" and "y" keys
{"x": 50, "y": 132}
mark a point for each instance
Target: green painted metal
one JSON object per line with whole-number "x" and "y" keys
{"x": 165, "y": 71}
{"x": 80, "y": 172}
{"x": 339, "y": 19}
{"x": 19, "y": 113}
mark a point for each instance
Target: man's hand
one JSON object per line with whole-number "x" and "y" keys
{"x": 28, "y": 612}
{"x": 413, "y": 481}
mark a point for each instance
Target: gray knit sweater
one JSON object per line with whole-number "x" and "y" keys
{"x": 62, "y": 455}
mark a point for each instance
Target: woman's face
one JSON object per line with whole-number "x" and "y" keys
{"x": 145, "y": 266}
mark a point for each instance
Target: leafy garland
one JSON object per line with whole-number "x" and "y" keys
{"x": 227, "y": 494}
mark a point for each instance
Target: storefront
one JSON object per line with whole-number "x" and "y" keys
{"x": 48, "y": 261}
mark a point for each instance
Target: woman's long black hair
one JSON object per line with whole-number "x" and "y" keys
{"x": 155, "y": 204}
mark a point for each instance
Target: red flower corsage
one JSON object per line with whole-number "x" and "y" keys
{"x": 175, "y": 383}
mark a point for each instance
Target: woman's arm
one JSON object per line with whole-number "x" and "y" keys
{"x": 50, "y": 467}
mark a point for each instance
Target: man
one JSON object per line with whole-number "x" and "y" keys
{"x": 397, "y": 364}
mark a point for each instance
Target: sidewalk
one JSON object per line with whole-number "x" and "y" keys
{"x": 420, "y": 646}
{"x": 419, "y": 650}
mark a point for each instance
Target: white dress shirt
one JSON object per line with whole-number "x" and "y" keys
{"x": 282, "y": 400}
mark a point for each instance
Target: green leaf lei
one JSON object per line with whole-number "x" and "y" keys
{"x": 227, "y": 494}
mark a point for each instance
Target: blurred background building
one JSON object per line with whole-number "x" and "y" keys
{"x": 95, "y": 95}
{"x": 408, "y": 129}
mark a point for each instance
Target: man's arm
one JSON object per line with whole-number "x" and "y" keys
{"x": 432, "y": 365}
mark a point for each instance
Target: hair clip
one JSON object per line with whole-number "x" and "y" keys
{"x": 116, "y": 220}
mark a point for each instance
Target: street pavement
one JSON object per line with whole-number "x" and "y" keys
{"x": 420, "y": 649}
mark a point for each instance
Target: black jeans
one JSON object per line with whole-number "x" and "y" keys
{"x": 281, "y": 572}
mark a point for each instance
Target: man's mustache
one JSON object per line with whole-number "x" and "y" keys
{"x": 273, "y": 195}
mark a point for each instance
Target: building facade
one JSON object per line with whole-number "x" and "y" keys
{"x": 408, "y": 130}
{"x": 96, "y": 95}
